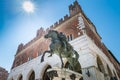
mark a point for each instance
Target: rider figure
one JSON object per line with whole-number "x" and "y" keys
{"x": 63, "y": 39}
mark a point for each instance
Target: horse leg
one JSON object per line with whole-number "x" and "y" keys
{"x": 71, "y": 63}
{"x": 42, "y": 58}
{"x": 51, "y": 52}
{"x": 61, "y": 61}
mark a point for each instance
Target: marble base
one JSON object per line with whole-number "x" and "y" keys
{"x": 63, "y": 74}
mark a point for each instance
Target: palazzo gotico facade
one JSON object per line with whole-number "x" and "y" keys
{"x": 96, "y": 60}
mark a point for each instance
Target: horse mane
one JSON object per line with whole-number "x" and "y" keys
{"x": 55, "y": 31}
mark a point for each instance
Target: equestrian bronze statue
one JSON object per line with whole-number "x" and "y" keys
{"x": 60, "y": 46}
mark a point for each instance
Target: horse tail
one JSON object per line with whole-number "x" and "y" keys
{"x": 42, "y": 58}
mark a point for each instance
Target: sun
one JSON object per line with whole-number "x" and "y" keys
{"x": 28, "y": 6}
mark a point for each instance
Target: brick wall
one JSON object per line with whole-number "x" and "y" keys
{"x": 3, "y": 74}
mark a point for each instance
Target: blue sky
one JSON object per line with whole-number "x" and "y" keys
{"x": 17, "y": 26}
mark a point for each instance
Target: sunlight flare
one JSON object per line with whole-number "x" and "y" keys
{"x": 28, "y": 6}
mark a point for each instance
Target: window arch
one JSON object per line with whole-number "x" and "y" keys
{"x": 31, "y": 76}
{"x": 70, "y": 37}
{"x": 100, "y": 65}
{"x": 20, "y": 77}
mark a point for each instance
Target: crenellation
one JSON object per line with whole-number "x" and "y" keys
{"x": 28, "y": 44}
{"x": 61, "y": 20}
{"x": 40, "y": 32}
{"x": 56, "y": 24}
{"x": 66, "y": 17}
{"x": 70, "y": 6}
{"x": 20, "y": 47}
{"x": 51, "y": 27}
{"x": 25, "y": 45}
{"x": 74, "y": 8}
{"x": 46, "y": 31}
{"x": 75, "y": 3}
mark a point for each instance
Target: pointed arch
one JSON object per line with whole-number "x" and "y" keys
{"x": 31, "y": 75}
{"x": 100, "y": 65}
{"x": 20, "y": 77}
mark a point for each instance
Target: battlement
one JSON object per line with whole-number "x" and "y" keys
{"x": 40, "y": 32}
{"x": 74, "y": 8}
{"x": 20, "y": 47}
{"x": 66, "y": 17}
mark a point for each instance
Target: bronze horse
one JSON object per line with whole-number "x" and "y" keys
{"x": 60, "y": 46}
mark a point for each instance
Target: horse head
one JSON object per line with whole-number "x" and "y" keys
{"x": 51, "y": 34}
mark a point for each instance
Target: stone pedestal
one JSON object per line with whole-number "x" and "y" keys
{"x": 63, "y": 74}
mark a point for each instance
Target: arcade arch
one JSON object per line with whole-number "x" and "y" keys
{"x": 20, "y": 77}
{"x": 45, "y": 76}
{"x": 31, "y": 75}
{"x": 100, "y": 65}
